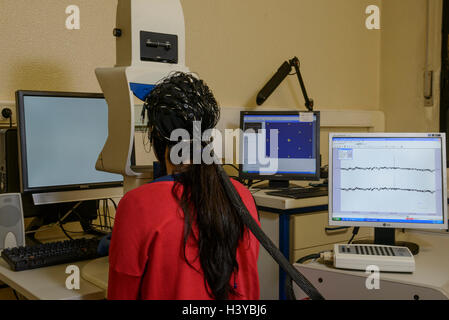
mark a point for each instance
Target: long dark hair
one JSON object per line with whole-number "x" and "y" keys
{"x": 175, "y": 103}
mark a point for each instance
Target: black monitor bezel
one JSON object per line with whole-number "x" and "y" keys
{"x": 283, "y": 176}
{"x": 23, "y": 169}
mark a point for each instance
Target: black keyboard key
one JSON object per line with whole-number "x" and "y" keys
{"x": 392, "y": 252}
{"x": 49, "y": 254}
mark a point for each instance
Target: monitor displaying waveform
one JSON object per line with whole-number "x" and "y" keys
{"x": 387, "y": 179}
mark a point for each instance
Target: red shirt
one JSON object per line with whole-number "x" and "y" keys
{"x": 146, "y": 259}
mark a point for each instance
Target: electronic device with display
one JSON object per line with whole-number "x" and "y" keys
{"x": 388, "y": 181}
{"x": 60, "y": 135}
{"x": 280, "y": 146}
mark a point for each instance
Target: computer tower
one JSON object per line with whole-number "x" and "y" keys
{"x": 9, "y": 164}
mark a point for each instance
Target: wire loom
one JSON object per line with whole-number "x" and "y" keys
{"x": 178, "y": 101}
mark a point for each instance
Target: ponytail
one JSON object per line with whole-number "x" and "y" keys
{"x": 205, "y": 203}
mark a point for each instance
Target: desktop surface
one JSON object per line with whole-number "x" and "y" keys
{"x": 97, "y": 272}
{"x": 431, "y": 268}
{"x": 49, "y": 283}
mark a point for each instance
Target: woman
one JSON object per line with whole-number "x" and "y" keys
{"x": 179, "y": 237}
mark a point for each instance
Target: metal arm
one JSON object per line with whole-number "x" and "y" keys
{"x": 278, "y": 77}
{"x": 309, "y": 102}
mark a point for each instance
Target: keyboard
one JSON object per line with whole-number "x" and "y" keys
{"x": 49, "y": 254}
{"x": 386, "y": 258}
{"x": 300, "y": 193}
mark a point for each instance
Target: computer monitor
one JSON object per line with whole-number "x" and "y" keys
{"x": 387, "y": 181}
{"x": 60, "y": 137}
{"x": 280, "y": 146}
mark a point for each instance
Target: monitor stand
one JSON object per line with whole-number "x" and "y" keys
{"x": 387, "y": 236}
{"x": 274, "y": 184}
{"x": 278, "y": 184}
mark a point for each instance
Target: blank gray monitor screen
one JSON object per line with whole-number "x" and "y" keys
{"x": 64, "y": 136}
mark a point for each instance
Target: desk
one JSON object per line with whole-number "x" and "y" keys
{"x": 285, "y": 208}
{"x": 429, "y": 281}
{"x": 97, "y": 272}
{"x": 49, "y": 283}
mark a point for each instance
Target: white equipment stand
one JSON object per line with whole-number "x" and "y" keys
{"x": 150, "y": 45}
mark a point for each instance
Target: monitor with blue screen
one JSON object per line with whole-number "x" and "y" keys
{"x": 280, "y": 146}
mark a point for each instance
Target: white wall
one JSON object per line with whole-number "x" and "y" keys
{"x": 403, "y": 61}
{"x": 234, "y": 45}
{"x": 238, "y": 45}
